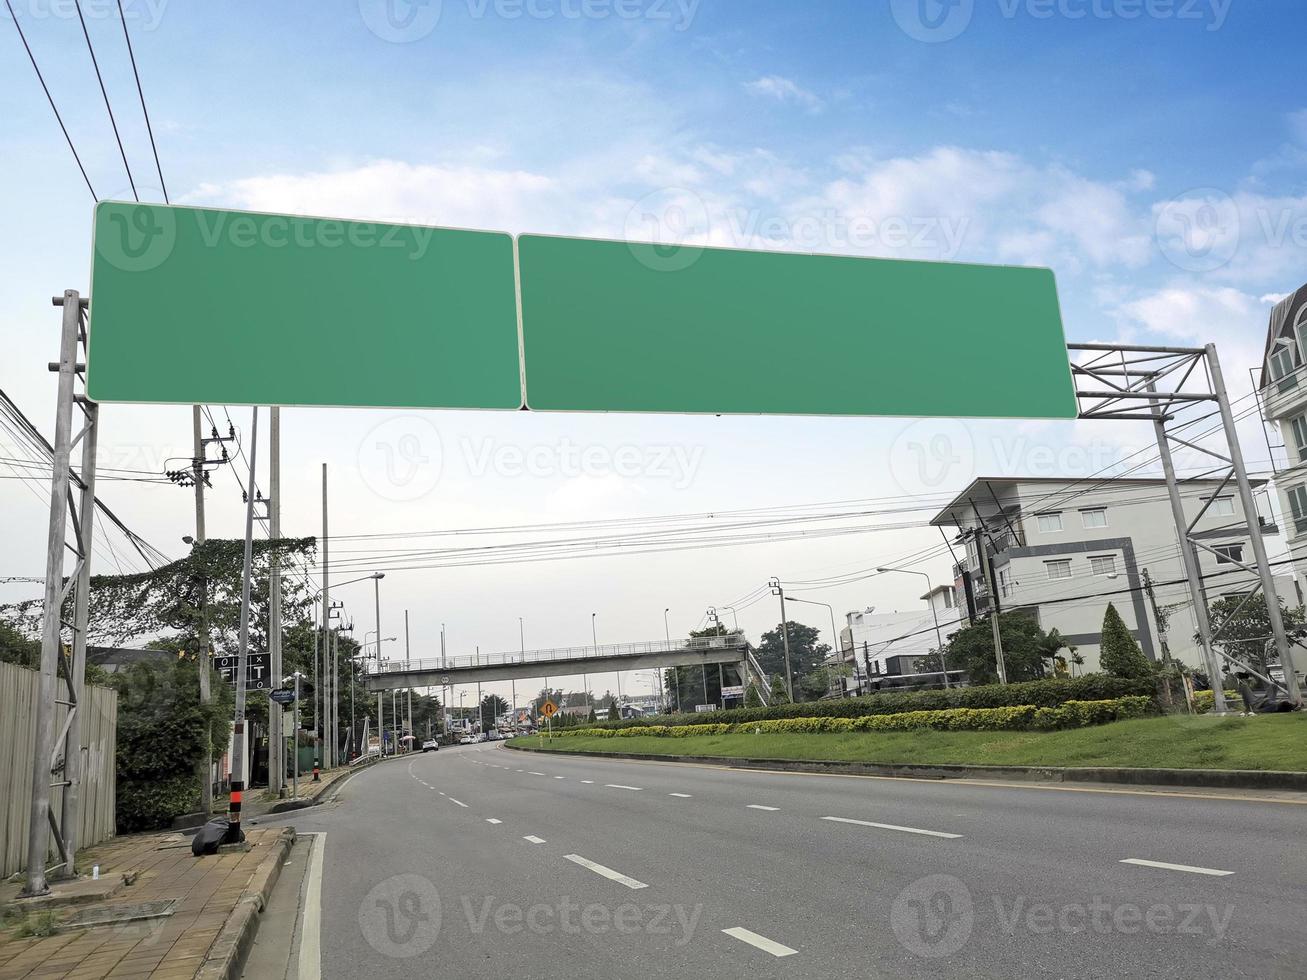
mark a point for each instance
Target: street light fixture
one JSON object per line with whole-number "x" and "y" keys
{"x": 834, "y": 635}
{"x": 939, "y": 640}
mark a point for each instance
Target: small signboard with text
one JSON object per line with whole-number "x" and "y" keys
{"x": 258, "y": 672}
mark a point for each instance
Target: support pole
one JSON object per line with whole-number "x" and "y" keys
{"x": 277, "y": 762}
{"x": 407, "y": 661}
{"x": 202, "y": 655}
{"x": 70, "y": 819}
{"x": 1190, "y": 559}
{"x": 238, "y": 766}
{"x": 38, "y": 831}
{"x": 1254, "y": 527}
{"x": 328, "y": 663}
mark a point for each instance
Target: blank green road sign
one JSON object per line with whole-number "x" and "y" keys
{"x": 196, "y": 305}
{"x": 615, "y": 326}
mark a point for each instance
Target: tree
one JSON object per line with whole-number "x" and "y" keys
{"x": 972, "y": 649}
{"x": 779, "y": 694}
{"x": 492, "y": 706}
{"x": 1049, "y": 647}
{"x": 1119, "y": 654}
{"x": 752, "y": 699}
{"x": 161, "y": 740}
{"x": 806, "y": 654}
{"x": 15, "y": 648}
{"x": 1245, "y": 633}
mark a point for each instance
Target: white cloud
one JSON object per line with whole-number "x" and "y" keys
{"x": 785, "y": 90}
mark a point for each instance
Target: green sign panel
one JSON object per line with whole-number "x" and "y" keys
{"x": 614, "y": 326}
{"x": 197, "y": 305}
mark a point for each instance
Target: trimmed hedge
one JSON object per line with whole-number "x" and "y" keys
{"x": 1040, "y": 694}
{"x": 1071, "y": 714}
{"x": 1205, "y": 701}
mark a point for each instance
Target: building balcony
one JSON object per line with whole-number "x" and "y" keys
{"x": 1286, "y": 397}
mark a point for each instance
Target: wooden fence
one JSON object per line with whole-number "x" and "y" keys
{"x": 18, "y": 696}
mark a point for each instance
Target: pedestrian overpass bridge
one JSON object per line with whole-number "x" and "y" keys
{"x": 653, "y": 655}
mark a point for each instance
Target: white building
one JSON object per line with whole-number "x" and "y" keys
{"x": 1063, "y": 549}
{"x": 884, "y": 649}
{"x": 1284, "y": 405}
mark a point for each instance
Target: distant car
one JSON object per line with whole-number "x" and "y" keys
{"x": 480, "y": 737}
{"x": 467, "y": 740}
{"x": 493, "y": 735}
{"x": 430, "y": 745}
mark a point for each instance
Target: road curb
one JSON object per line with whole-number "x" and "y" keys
{"x": 226, "y": 957}
{"x": 1199, "y": 778}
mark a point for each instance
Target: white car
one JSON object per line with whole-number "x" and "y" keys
{"x": 467, "y": 740}
{"x": 430, "y": 745}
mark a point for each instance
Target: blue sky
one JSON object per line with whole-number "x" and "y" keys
{"x": 1150, "y": 152}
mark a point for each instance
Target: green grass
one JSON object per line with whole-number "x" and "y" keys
{"x": 1266, "y": 742}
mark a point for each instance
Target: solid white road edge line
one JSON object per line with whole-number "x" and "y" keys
{"x": 599, "y": 869}
{"x": 310, "y": 961}
{"x": 890, "y": 826}
{"x": 1177, "y": 867}
{"x": 761, "y": 942}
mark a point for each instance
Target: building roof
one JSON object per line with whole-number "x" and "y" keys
{"x": 1286, "y": 311}
{"x": 983, "y": 488}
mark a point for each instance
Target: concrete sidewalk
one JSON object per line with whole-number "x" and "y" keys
{"x": 205, "y": 932}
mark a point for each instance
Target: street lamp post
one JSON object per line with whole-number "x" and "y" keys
{"x": 834, "y": 635}
{"x": 939, "y": 640}
{"x": 777, "y": 590}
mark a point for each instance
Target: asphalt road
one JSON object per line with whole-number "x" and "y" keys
{"x": 482, "y": 861}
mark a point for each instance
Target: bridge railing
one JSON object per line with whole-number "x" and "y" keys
{"x": 733, "y": 642}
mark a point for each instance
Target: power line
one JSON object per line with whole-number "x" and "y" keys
{"x": 141, "y": 92}
{"x": 104, "y": 92}
{"x": 50, "y": 98}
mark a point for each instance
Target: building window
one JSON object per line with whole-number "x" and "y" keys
{"x": 1049, "y": 523}
{"x": 1004, "y": 582}
{"x": 1298, "y": 505}
{"x": 1222, "y": 507}
{"x": 1059, "y": 569}
{"x": 1282, "y": 367}
{"x": 1299, "y": 426}
{"x": 1103, "y": 565}
{"x": 1228, "y": 554}
{"x": 1094, "y": 518}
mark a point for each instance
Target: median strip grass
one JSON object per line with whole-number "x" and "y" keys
{"x": 1172, "y": 742}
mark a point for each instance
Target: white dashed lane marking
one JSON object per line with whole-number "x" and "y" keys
{"x": 457, "y": 802}
{"x": 609, "y": 873}
{"x": 620, "y": 786}
{"x": 534, "y": 839}
{"x": 684, "y": 796}
{"x": 493, "y": 820}
{"x": 1177, "y": 867}
{"x": 759, "y": 806}
{"x": 890, "y": 826}
{"x": 761, "y": 942}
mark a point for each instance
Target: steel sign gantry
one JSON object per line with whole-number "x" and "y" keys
{"x": 57, "y": 760}
{"x": 1156, "y": 384}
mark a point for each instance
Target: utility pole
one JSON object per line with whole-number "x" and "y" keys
{"x": 1157, "y": 618}
{"x": 777, "y": 590}
{"x": 407, "y": 662}
{"x": 987, "y": 566}
{"x": 238, "y": 765}
{"x": 202, "y": 657}
{"x": 328, "y": 661}
{"x": 277, "y": 760}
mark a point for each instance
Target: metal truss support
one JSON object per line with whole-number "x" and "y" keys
{"x": 1156, "y": 384}
{"x": 57, "y": 761}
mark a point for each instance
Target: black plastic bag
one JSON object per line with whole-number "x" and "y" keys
{"x": 213, "y": 833}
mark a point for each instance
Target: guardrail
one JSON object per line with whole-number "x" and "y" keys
{"x": 732, "y": 642}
